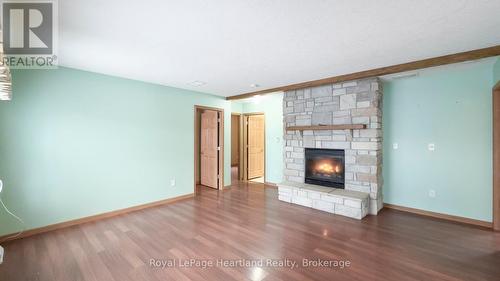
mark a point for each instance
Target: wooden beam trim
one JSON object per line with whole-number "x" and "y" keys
{"x": 440, "y": 216}
{"x": 83, "y": 220}
{"x": 409, "y": 66}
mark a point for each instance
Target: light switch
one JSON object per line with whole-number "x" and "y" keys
{"x": 432, "y": 193}
{"x": 431, "y": 147}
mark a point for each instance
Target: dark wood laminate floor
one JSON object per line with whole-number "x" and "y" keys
{"x": 248, "y": 222}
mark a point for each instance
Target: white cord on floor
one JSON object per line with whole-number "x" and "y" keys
{"x": 18, "y": 218}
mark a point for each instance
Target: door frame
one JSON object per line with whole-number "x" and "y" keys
{"x": 197, "y": 134}
{"x": 240, "y": 143}
{"x": 245, "y": 144}
{"x": 496, "y": 156}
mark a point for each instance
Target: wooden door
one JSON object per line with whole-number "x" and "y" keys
{"x": 256, "y": 140}
{"x": 209, "y": 142}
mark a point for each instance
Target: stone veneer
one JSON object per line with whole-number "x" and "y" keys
{"x": 355, "y": 102}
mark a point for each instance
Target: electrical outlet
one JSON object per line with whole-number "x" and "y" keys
{"x": 432, "y": 193}
{"x": 431, "y": 147}
{"x": 395, "y": 146}
{"x": 1, "y": 254}
{"x": 172, "y": 182}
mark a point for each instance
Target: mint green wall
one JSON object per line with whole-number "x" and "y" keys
{"x": 75, "y": 143}
{"x": 272, "y": 107}
{"x": 496, "y": 71}
{"x": 236, "y": 107}
{"x": 451, "y": 108}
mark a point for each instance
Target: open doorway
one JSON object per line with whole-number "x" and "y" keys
{"x": 209, "y": 147}
{"x": 236, "y": 147}
{"x": 254, "y": 144}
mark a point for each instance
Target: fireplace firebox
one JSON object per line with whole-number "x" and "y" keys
{"x": 325, "y": 167}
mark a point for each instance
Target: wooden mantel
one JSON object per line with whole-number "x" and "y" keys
{"x": 327, "y": 127}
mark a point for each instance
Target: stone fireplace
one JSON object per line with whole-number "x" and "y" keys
{"x": 349, "y": 103}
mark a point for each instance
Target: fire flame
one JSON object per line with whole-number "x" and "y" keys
{"x": 327, "y": 168}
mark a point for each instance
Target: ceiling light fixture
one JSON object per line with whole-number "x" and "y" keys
{"x": 197, "y": 83}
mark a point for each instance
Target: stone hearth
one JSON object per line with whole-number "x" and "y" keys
{"x": 342, "y": 202}
{"x": 355, "y": 102}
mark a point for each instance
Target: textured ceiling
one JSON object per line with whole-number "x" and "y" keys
{"x": 232, "y": 44}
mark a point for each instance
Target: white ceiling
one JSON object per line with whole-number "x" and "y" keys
{"x": 230, "y": 44}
